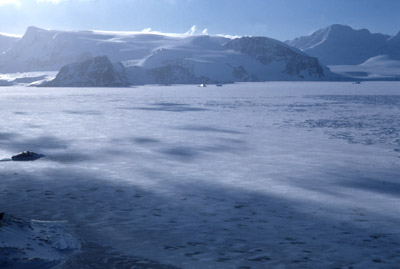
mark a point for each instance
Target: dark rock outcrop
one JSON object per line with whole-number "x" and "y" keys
{"x": 267, "y": 51}
{"x": 95, "y": 72}
{"x": 27, "y": 156}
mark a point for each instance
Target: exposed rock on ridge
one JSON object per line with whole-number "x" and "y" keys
{"x": 95, "y": 72}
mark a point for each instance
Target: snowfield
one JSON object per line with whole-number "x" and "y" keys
{"x": 248, "y": 175}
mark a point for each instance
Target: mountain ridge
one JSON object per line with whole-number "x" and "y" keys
{"x": 165, "y": 58}
{"x": 342, "y": 45}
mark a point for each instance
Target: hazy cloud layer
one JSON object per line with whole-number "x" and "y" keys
{"x": 10, "y": 2}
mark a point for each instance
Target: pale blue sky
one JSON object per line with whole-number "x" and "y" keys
{"x": 280, "y": 19}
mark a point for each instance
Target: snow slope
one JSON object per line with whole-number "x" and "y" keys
{"x": 259, "y": 175}
{"x": 343, "y": 45}
{"x": 392, "y": 47}
{"x": 376, "y": 68}
{"x": 163, "y": 58}
{"x": 6, "y": 41}
{"x": 26, "y": 78}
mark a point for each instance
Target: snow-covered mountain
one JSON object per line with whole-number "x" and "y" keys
{"x": 152, "y": 57}
{"x": 392, "y": 47}
{"x": 381, "y": 67}
{"x": 94, "y": 72}
{"x": 45, "y": 50}
{"x": 6, "y": 42}
{"x": 205, "y": 59}
{"x": 343, "y": 45}
{"x": 267, "y": 50}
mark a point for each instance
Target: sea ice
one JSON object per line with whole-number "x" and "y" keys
{"x": 260, "y": 175}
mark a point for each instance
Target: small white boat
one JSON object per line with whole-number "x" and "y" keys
{"x": 202, "y": 85}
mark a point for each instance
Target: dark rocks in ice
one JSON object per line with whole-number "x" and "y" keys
{"x": 94, "y": 72}
{"x": 27, "y": 156}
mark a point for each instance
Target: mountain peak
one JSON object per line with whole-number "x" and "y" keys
{"x": 343, "y": 30}
{"x": 341, "y": 44}
{"x": 339, "y": 27}
{"x": 33, "y": 29}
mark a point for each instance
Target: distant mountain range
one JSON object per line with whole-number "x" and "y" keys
{"x": 159, "y": 58}
{"x": 165, "y": 58}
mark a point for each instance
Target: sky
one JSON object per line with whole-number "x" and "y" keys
{"x": 280, "y": 19}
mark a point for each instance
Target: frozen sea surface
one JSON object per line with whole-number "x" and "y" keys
{"x": 258, "y": 175}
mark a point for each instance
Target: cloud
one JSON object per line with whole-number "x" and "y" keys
{"x": 192, "y": 30}
{"x": 10, "y": 2}
{"x": 147, "y": 30}
{"x": 173, "y": 2}
{"x": 10, "y": 35}
{"x": 54, "y": 2}
{"x": 19, "y": 3}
